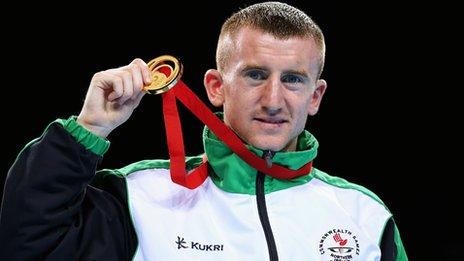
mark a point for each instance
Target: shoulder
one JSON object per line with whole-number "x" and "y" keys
{"x": 149, "y": 179}
{"x": 346, "y": 189}
{"x": 157, "y": 165}
{"x": 362, "y": 205}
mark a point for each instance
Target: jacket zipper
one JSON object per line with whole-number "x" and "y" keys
{"x": 262, "y": 210}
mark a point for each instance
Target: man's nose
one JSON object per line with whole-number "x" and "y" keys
{"x": 272, "y": 99}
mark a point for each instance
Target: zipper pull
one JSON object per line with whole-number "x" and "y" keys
{"x": 267, "y": 156}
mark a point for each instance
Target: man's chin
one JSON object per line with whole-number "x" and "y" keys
{"x": 268, "y": 145}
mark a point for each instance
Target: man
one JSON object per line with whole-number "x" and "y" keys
{"x": 269, "y": 60}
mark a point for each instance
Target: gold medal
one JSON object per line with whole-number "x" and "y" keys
{"x": 166, "y": 71}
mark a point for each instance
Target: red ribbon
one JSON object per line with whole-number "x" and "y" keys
{"x": 175, "y": 141}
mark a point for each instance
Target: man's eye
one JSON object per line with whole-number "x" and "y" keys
{"x": 291, "y": 78}
{"x": 256, "y": 75}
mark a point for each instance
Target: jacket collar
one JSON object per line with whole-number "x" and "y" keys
{"x": 232, "y": 174}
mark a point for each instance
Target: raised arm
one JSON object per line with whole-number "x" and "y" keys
{"x": 49, "y": 210}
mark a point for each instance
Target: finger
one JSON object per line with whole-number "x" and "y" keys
{"x": 128, "y": 90}
{"x": 116, "y": 85}
{"x": 137, "y": 79}
{"x": 146, "y": 73}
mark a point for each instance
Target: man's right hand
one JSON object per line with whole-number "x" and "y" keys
{"x": 112, "y": 97}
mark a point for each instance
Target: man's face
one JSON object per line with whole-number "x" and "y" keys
{"x": 268, "y": 88}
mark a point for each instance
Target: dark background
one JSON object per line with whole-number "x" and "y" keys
{"x": 378, "y": 125}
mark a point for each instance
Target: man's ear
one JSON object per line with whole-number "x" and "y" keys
{"x": 316, "y": 97}
{"x": 213, "y": 85}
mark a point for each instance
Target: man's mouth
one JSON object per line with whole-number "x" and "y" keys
{"x": 271, "y": 120}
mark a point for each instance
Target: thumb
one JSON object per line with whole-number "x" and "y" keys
{"x": 138, "y": 98}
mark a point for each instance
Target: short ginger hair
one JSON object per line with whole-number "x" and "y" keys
{"x": 278, "y": 19}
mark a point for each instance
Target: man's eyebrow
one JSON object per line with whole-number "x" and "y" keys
{"x": 302, "y": 73}
{"x": 254, "y": 67}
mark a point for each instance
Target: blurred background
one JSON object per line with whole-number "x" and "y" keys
{"x": 379, "y": 124}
